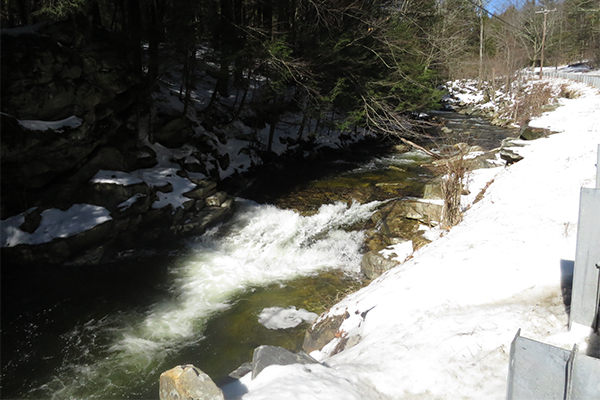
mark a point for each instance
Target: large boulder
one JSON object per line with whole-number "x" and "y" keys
{"x": 187, "y": 382}
{"x": 174, "y": 133}
{"x": 265, "y": 356}
{"x": 529, "y": 133}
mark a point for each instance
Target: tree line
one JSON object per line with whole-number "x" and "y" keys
{"x": 526, "y": 34}
{"x": 371, "y": 60}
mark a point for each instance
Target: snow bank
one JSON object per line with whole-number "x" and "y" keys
{"x": 440, "y": 325}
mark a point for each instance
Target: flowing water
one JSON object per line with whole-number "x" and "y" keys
{"x": 118, "y": 344}
{"x": 109, "y": 331}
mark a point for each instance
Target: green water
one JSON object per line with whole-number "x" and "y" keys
{"x": 392, "y": 176}
{"x": 63, "y": 331}
{"x": 232, "y": 335}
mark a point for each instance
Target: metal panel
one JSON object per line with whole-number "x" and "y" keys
{"x": 536, "y": 371}
{"x": 539, "y": 371}
{"x": 585, "y": 293}
{"x": 598, "y": 169}
{"x": 585, "y": 381}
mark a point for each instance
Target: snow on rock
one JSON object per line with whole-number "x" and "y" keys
{"x": 284, "y": 318}
{"x": 398, "y": 252}
{"x": 159, "y": 177}
{"x": 34, "y": 125}
{"x": 54, "y": 224}
{"x": 115, "y": 178}
{"x": 440, "y": 325}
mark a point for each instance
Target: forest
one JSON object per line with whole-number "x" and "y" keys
{"x": 369, "y": 61}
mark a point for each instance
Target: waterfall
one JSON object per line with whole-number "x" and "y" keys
{"x": 261, "y": 244}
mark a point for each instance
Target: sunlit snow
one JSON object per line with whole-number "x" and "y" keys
{"x": 440, "y": 325}
{"x": 54, "y": 224}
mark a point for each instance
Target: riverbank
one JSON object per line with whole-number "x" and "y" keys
{"x": 440, "y": 325}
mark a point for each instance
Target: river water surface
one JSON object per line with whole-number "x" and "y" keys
{"x": 109, "y": 331}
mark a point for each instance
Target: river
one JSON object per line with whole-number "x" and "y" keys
{"x": 109, "y": 331}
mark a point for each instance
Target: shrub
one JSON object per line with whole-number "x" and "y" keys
{"x": 456, "y": 169}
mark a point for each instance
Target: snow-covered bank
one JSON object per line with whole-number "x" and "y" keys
{"x": 440, "y": 325}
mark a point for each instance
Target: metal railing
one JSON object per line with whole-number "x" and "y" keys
{"x": 590, "y": 80}
{"x": 538, "y": 371}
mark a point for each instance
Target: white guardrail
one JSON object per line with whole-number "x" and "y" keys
{"x": 590, "y": 80}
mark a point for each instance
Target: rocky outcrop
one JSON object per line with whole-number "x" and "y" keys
{"x": 132, "y": 222}
{"x": 65, "y": 101}
{"x": 187, "y": 382}
{"x": 69, "y": 106}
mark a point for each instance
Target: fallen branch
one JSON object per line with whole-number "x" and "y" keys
{"x": 416, "y": 146}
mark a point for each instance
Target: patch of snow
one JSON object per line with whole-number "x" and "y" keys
{"x": 54, "y": 224}
{"x": 130, "y": 201}
{"x": 285, "y": 318}
{"x": 398, "y": 252}
{"x": 162, "y": 176}
{"x": 430, "y": 233}
{"x": 115, "y": 178}
{"x": 35, "y": 125}
{"x": 440, "y": 325}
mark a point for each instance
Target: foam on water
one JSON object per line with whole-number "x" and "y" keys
{"x": 260, "y": 245}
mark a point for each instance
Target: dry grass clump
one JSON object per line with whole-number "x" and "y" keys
{"x": 532, "y": 101}
{"x": 568, "y": 92}
{"x": 456, "y": 169}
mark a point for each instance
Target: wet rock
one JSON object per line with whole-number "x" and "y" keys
{"x": 373, "y": 264}
{"x": 187, "y": 382}
{"x": 265, "y": 356}
{"x": 198, "y": 222}
{"x": 241, "y": 371}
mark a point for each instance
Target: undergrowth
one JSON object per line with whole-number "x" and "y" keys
{"x": 456, "y": 172}
{"x": 532, "y": 98}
